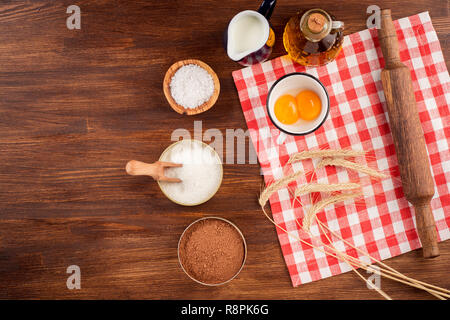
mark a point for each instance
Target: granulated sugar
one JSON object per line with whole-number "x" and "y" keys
{"x": 191, "y": 86}
{"x": 201, "y": 173}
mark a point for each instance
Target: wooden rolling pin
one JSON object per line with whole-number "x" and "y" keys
{"x": 407, "y": 133}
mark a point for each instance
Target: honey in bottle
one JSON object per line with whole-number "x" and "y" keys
{"x": 313, "y": 38}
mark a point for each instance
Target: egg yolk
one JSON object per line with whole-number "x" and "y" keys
{"x": 308, "y": 105}
{"x": 285, "y": 109}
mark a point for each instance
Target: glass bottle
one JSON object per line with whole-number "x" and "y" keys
{"x": 313, "y": 38}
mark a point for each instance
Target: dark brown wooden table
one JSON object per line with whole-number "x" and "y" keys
{"x": 76, "y": 105}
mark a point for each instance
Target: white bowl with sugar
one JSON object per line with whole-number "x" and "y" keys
{"x": 201, "y": 173}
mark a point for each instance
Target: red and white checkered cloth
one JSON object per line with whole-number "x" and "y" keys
{"x": 382, "y": 223}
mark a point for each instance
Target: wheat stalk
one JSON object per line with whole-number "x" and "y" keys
{"x": 381, "y": 292}
{"x": 389, "y": 269}
{"x": 354, "y": 263}
{"x": 357, "y": 263}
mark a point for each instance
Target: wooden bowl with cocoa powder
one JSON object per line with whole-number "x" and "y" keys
{"x": 212, "y": 251}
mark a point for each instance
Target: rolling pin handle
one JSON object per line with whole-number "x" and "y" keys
{"x": 426, "y": 227}
{"x": 388, "y": 39}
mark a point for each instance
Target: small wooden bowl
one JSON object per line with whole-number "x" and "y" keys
{"x": 201, "y": 108}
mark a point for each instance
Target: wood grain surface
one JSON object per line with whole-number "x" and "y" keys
{"x": 76, "y": 105}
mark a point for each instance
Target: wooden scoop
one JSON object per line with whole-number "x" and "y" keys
{"x": 154, "y": 170}
{"x": 418, "y": 185}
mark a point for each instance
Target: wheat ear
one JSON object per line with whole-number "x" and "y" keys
{"x": 319, "y": 206}
{"x": 323, "y": 187}
{"x": 351, "y": 165}
{"x": 277, "y": 185}
{"x": 343, "y": 153}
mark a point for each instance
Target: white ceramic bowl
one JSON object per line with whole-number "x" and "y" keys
{"x": 165, "y": 157}
{"x": 292, "y": 84}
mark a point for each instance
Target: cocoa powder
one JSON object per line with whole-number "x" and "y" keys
{"x": 212, "y": 251}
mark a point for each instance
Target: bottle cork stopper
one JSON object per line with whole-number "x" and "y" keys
{"x": 316, "y": 22}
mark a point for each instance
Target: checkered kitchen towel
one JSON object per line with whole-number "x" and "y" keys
{"x": 382, "y": 223}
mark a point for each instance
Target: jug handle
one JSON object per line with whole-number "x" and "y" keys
{"x": 266, "y": 8}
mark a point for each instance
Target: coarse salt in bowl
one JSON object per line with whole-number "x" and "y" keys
{"x": 191, "y": 86}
